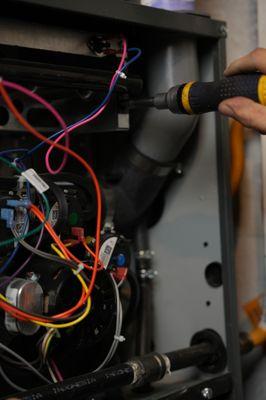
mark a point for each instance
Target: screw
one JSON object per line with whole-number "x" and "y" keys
{"x": 179, "y": 169}
{"x": 207, "y": 393}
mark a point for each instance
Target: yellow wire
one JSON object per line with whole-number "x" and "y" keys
{"x": 46, "y": 342}
{"x": 79, "y": 319}
{"x": 57, "y": 251}
{"x": 4, "y": 298}
{"x": 68, "y": 324}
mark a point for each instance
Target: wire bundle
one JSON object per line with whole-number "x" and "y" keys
{"x": 85, "y": 273}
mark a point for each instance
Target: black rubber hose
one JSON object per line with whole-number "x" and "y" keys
{"x": 71, "y": 388}
{"x": 192, "y": 355}
{"x": 143, "y": 370}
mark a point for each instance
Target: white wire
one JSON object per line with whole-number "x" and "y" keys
{"x": 119, "y": 320}
{"x": 9, "y": 382}
{"x": 51, "y": 372}
{"x": 18, "y": 357}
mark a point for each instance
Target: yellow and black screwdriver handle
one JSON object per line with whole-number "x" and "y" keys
{"x": 202, "y": 97}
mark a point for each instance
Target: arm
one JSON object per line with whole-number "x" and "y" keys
{"x": 246, "y": 111}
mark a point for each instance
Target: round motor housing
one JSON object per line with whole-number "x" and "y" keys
{"x": 27, "y": 295}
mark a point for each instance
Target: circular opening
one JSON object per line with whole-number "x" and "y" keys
{"x": 208, "y": 303}
{"x": 19, "y": 105}
{"x": 205, "y": 244}
{"x": 4, "y": 116}
{"x": 213, "y": 274}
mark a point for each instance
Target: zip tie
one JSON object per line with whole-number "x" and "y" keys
{"x": 79, "y": 269}
{"x": 121, "y": 74}
{"x": 119, "y": 338}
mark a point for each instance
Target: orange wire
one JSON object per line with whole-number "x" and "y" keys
{"x": 92, "y": 254}
{"x": 238, "y": 155}
{"x": 72, "y": 153}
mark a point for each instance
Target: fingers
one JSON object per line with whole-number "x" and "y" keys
{"x": 254, "y": 61}
{"x": 246, "y": 111}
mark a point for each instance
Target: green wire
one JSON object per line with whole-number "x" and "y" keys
{"x": 38, "y": 228}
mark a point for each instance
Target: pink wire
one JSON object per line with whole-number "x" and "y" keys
{"x": 56, "y": 371}
{"x": 49, "y": 107}
{"x": 81, "y": 123}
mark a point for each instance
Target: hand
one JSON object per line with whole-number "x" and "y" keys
{"x": 246, "y": 111}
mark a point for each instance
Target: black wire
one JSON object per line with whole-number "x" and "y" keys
{"x": 15, "y": 363}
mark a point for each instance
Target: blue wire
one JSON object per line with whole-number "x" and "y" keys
{"x": 10, "y": 259}
{"x": 19, "y": 150}
{"x": 16, "y": 248}
{"x": 104, "y": 101}
{"x": 29, "y": 152}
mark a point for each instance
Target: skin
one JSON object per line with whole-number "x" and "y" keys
{"x": 246, "y": 111}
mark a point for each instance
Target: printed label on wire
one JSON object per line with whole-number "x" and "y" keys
{"x": 36, "y": 181}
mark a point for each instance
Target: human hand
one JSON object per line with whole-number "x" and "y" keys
{"x": 246, "y": 111}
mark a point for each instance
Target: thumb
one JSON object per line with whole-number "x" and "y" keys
{"x": 246, "y": 111}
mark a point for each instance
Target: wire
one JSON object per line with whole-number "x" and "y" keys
{"x": 75, "y": 125}
{"x": 79, "y": 318}
{"x": 15, "y": 363}
{"x": 57, "y": 251}
{"x": 18, "y": 357}
{"x": 56, "y": 370}
{"x": 46, "y": 342}
{"x": 37, "y": 134}
{"x": 12, "y": 151}
{"x": 48, "y": 256}
{"x": 51, "y": 372}
{"x": 94, "y": 114}
{"x": 92, "y": 254}
{"x": 80, "y": 276}
{"x": 67, "y": 324}
{"x": 9, "y": 382}
{"x": 32, "y": 249}
{"x": 15, "y": 250}
{"x": 52, "y": 110}
{"x": 32, "y": 130}
{"x": 117, "y": 336}
{"x": 85, "y": 294}
{"x": 38, "y": 228}
{"x": 9, "y": 260}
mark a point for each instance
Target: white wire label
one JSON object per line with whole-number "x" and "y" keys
{"x": 36, "y": 181}
{"x": 107, "y": 249}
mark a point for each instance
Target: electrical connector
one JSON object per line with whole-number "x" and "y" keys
{"x": 78, "y": 232}
{"x": 7, "y": 214}
{"x": 18, "y": 203}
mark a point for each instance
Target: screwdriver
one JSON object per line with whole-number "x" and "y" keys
{"x": 202, "y": 97}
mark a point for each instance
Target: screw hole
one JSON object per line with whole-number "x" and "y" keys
{"x": 205, "y": 244}
{"x": 213, "y": 274}
{"x": 208, "y": 303}
{"x": 4, "y": 116}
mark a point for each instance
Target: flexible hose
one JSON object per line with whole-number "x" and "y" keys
{"x": 238, "y": 155}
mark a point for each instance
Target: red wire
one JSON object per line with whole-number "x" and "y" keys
{"x": 37, "y": 134}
